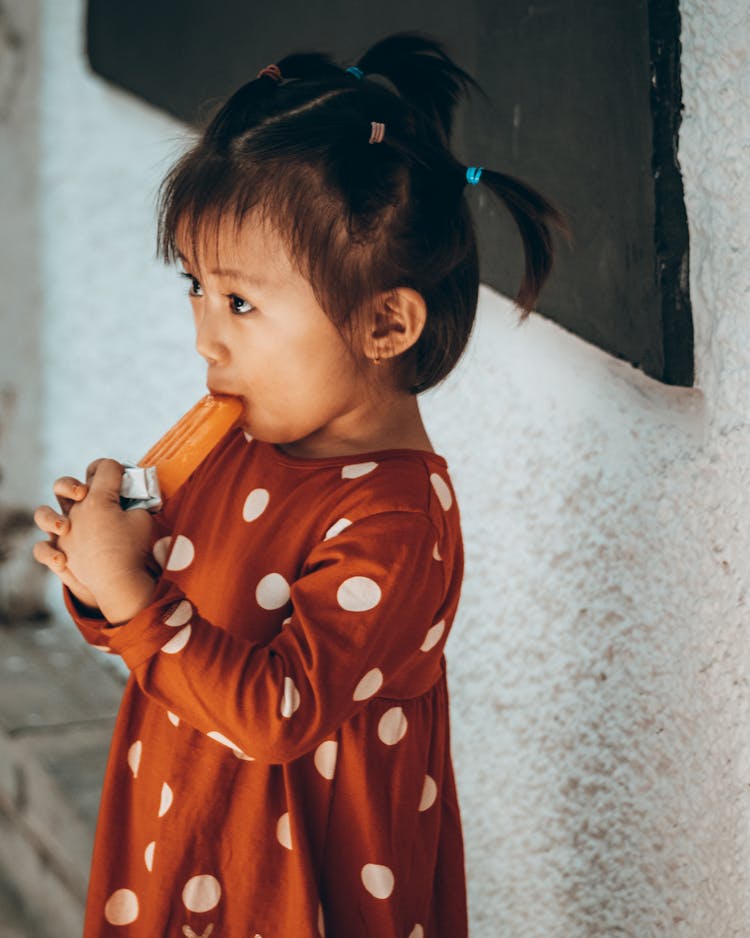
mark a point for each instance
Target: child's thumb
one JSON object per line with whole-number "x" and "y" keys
{"x": 105, "y": 478}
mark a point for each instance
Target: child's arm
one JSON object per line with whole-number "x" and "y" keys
{"x": 368, "y": 620}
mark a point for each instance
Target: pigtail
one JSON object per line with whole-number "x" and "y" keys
{"x": 424, "y": 76}
{"x": 431, "y": 84}
{"x": 534, "y": 217}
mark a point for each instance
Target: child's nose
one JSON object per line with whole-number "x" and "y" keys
{"x": 209, "y": 341}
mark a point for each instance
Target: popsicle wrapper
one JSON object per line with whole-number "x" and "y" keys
{"x": 140, "y": 489}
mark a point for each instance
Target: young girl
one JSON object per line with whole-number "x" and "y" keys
{"x": 281, "y": 763}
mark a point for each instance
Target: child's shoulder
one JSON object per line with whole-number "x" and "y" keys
{"x": 370, "y": 483}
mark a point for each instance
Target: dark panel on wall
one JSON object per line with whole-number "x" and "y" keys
{"x": 585, "y": 107}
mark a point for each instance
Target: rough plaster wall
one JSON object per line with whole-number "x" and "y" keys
{"x": 597, "y": 666}
{"x": 715, "y": 158}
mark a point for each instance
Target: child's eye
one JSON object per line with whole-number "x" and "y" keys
{"x": 233, "y": 297}
{"x": 187, "y": 276}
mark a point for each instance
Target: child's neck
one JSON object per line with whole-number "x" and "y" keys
{"x": 402, "y": 428}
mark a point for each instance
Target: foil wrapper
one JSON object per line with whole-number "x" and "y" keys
{"x": 140, "y": 489}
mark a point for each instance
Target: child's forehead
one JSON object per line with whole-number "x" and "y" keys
{"x": 228, "y": 246}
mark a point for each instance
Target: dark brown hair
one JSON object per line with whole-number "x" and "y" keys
{"x": 359, "y": 219}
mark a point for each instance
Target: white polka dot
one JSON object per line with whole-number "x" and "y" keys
{"x": 284, "y": 831}
{"x": 286, "y": 621}
{"x": 214, "y": 734}
{"x": 148, "y": 855}
{"x": 337, "y": 528}
{"x": 105, "y": 648}
{"x": 201, "y": 893}
{"x": 166, "y": 799}
{"x": 321, "y": 922}
{"x": 272, "y": 592}
{"x": 433, "y": 636}
{"x": 378, "y": 880}
{"x": 173, "y": 718}
{"x": 392, "y": 726}
{"x": 325, "y": 758}
{"x": 134, "y": 757}
{"x": 355, "y": 470}
{"x": 370, "y": 683}
{"x": 358, "y": 594}
{"x": 436, "y": 552}
{"x": 122, "y": 907}
{"x": 220, "y": 738}
{"x": 181, "y": 615}
{"x": 441, "y": 490}
{"x": 429, "y": 793}
{"x": 291, "y": 700}
{"x": 160, "y": 550}
{"x": 247, "y": 436}
{"x": 417, "y": 932}
{"x": 182, "y": 553}
{"x": 255, "y": 504}
{"x": 178, "y": 641}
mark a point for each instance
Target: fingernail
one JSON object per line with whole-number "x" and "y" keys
{"x": 59, "y": 524}
{"x": 78, "y": 490}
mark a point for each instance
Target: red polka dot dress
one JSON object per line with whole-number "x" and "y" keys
{"x": 281, "y": 765}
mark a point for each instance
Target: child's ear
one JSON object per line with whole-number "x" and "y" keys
{"x": 398, "y": 323}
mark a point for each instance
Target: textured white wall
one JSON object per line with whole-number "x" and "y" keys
{"x": 598, "y": 666}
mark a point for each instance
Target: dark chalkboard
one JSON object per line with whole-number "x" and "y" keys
{"x": 585, "y": 107}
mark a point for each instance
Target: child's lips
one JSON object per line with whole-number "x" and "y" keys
{"x": 223, "y": 392}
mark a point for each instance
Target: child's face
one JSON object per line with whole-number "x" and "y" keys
{"x": 270, "y": 343}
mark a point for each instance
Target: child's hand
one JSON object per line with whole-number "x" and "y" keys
{"x": 68, "y": 491}
{"x": 106, "y": 548}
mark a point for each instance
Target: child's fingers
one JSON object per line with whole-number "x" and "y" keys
{"x": 50, "y": 521}
{"x": 48, "y": 554}
{"x": 52, "y": 557}
{"x": 69, "y": 491}
{"x": 104, "y": 477}
{"x": 93, "y": 467}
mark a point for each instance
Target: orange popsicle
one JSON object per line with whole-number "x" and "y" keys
{"x": 184, "y": 447}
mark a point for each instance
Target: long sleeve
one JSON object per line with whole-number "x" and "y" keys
{"x": 364, "y": 622}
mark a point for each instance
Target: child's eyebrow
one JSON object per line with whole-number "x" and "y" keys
{"x": 255, "y": 281}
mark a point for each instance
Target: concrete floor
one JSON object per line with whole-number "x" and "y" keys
{"x": 14, "y": 923}
{"x": 58, "y": 701}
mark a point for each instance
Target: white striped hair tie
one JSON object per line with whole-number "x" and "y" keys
{"x": 377, "y": 133}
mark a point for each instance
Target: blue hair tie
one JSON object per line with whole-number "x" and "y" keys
{"x": 473, "y": 173}
{"x": 357, "y": 72}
